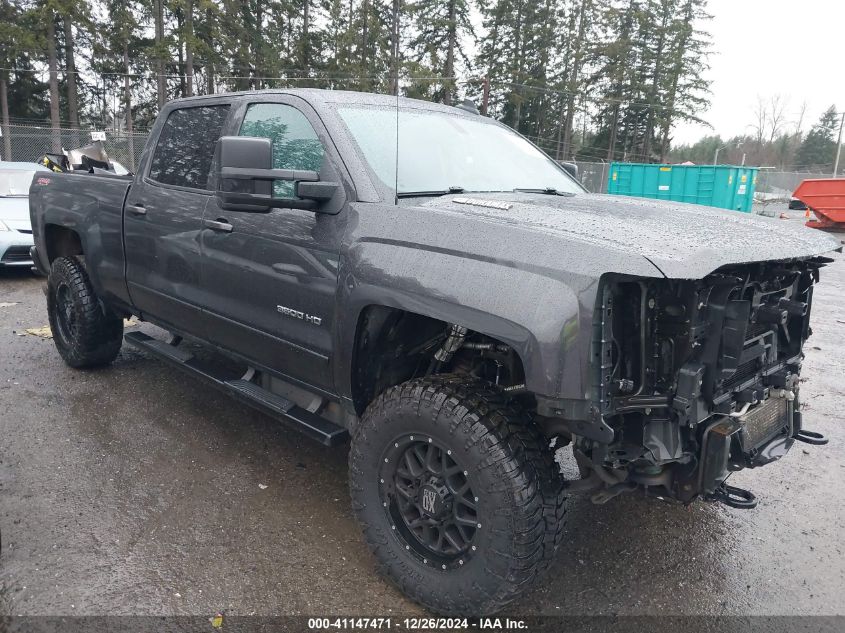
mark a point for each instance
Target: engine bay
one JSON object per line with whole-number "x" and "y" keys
{"x": 698, "y": 378}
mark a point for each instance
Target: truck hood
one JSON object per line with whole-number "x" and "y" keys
{"x": 684, "y": 241}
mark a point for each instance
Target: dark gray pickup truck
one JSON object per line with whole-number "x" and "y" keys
{"x": 426, "y": 282}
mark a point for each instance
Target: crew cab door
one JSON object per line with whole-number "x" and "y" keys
{"x": 270, "y": 278}
{"x": 163, "y": 216}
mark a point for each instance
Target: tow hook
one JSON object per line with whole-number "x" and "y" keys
{"x": 735, "y": 497}
{"x": 811, "y": 437}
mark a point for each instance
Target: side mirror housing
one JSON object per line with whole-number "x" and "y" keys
{"x": 571, "y": 169}
{"x": 253, "y": 155}
{"x": 246, "y": 175}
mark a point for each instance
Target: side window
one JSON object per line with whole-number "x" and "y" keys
{"x": 185, "y": 147}
{"x": 295, "y": 143}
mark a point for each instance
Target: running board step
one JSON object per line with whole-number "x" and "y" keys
{"x": 269, "y": 400}
{"x": 276, "y": 406}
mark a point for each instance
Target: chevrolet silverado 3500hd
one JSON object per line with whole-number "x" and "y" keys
{"x": 427, "y": 283}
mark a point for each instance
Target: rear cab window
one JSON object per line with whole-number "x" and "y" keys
{"x": 185, "y": 148}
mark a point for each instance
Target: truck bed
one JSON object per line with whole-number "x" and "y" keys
{"x": 91, "y": 204}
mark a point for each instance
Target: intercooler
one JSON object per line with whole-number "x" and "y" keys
{"x": 764, "y": 421}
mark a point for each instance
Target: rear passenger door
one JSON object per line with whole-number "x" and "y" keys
{"x": 270, "y": 278}
{"x": 163, "y": 216}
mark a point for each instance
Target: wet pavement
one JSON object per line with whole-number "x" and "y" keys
{"x": 138, "y": 490}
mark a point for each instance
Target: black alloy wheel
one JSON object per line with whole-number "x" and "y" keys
{"x": 429, "y": 499}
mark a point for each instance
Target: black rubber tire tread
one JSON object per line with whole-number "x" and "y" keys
{"x": 526, "y": 490}
{"x": 100, "y": 334}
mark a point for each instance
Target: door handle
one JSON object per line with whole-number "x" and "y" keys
{"x": 219, "y": 224}
{"x": 137, "y": 209}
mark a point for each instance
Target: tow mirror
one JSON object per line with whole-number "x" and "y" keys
{"x": 571, "y": 169}
{"x": 246, "y": 176}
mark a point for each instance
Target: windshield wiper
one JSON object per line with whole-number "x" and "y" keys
{"x": 421, "y": 194}
{"x": 549, "y": 191}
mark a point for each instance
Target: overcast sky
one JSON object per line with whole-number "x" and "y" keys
{"x": 795, "y": 48}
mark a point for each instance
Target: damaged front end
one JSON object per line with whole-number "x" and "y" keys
{"x": 693, "y": 380}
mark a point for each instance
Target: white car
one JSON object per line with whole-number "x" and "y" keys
{"x": 15, "y": 226}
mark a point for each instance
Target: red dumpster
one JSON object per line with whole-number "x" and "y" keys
{"x": 826, "y": 198}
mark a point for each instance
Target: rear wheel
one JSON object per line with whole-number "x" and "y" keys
{"x": 85, "y": 334}
{"x": 458, "y": 495}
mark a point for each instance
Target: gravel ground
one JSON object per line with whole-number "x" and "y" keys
{"x": 137, "y": 490}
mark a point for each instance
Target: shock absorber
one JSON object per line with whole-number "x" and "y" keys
{"x": 454, "y": 341}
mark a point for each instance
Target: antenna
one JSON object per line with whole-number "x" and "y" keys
{"x": 396, "y": 172}
{"x": 396, "y": 90}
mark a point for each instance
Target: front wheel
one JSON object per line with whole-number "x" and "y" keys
{"x": 85, "y": 334}
{"x": 457, "y": 493}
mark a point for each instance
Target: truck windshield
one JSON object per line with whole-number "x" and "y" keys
{"x": 15, "y": 182}
{"x": 441, "y": 152}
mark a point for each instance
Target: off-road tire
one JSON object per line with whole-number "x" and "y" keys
{"x": 85, "y": 334}
{"x": 514, "y": 478}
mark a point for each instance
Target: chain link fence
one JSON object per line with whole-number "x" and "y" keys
{"x": 28, "y": 143}
{"x": 773, "y": 187}
{"x": 594, "y": 176}
{"x": 779, "y": 185}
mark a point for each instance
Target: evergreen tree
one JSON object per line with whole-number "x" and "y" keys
{"x": 649, "y": 75}
{"x": 208, "y": 56}
{"x": 818, "y": 150}
{"x": 22, "y": 94}
{"x": 373, "y": 22}
{"x": 339, "y": 40}
{"x": 582, "y": 15}
{"x": 116, "y": 56}
{"x": 518, "y": 53}
{"x": 615, "y": 55}
{"x": 588, "y": 78}
{"x": 684, "y": 90}
{"x": 443, "y": 31}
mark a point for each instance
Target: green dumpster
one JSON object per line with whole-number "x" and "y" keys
{"x": 723, "y": 186}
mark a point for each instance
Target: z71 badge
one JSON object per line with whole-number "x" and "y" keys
{"x": 299, "y": 314}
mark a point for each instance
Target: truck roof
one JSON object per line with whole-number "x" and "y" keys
{"x": 318, "y": 95}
